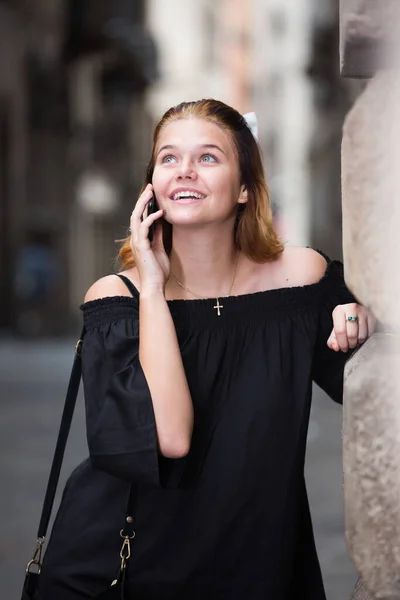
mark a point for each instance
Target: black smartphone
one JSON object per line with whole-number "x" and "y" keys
{"x": 152, "y": 207}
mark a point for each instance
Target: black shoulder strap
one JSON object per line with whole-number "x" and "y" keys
{"x": 129, "y": 285}
{"x": 63, "y": 433}
{"x": 65, "y": 425}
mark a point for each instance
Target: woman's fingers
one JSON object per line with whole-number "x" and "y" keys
{"x": 140, "y": 233}
{"x": 332, "y": 342}
{"x": 340, "y": 328}
{"x": 139, "y": 216}
{"x": 141, "y": 205}
{"x": 148, "y": 221}
{"x": 353, "y": 320}
{"x": 353, "y": 324}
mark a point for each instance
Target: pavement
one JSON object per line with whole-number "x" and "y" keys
{"x": 33, "y": 379}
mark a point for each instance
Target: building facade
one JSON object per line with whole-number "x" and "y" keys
{"x": 13, "y": 153}
{"x": 74, "y": 133}
{"x": 301, "y": 102}
{"x": 205, "y": 52}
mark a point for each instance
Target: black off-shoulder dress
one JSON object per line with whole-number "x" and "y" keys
{"x": 231, "y": 520}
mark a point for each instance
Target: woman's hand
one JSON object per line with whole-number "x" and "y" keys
{"x": 150, "y": 258}
{"x": 349, "y": 333}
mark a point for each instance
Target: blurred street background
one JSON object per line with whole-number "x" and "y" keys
{"x": 81, "y": 85}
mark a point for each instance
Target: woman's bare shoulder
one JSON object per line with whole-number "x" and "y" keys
{"x": 294, "y": 267}
{"x": 110, "y": 285}
{"x": 303, "y": 266}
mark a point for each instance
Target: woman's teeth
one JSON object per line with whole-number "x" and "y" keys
{"x": 180, "y": 195}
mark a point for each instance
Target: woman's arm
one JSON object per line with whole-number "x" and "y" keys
{"x": 162, "y": 365}
{"x": 161, "y": 361}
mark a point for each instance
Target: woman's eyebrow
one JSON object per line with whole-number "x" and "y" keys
{"x": 214, "y": 146}
{"x": 172, "y": 147}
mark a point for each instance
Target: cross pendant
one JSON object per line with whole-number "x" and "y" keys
{"x": 218, "y": 306}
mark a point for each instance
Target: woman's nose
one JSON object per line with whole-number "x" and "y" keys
{"x": 187, "y": 171}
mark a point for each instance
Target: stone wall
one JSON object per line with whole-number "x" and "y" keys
{"x": 371, "y": 224}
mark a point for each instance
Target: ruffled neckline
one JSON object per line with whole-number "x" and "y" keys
{"x": 244, "y": 308}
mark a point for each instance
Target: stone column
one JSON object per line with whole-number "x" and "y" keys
{"x": 371, "y": 243}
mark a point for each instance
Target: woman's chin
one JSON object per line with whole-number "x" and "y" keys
{"x": 184, "y": 220}
{"x": 189, "y": 224}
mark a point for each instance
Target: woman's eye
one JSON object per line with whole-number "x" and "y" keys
{"x": 208, "y": 158}
{"x": 168, "y": 159}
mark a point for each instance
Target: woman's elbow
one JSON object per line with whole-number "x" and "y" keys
{"x": 176, "y": 447}
{"x": 174, "y": 440}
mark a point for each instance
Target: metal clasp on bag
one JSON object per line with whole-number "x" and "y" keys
{"x": 125, "y": 552}
{"x": 78, "y": 347}
{"x": 37, "y": 556}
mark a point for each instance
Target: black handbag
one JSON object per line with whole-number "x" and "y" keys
{"x": 116, "y": 590}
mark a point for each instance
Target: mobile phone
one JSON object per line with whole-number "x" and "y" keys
{"x": 152, "y": 207}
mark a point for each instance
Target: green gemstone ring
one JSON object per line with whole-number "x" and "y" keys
{"x": 353, "y": 319}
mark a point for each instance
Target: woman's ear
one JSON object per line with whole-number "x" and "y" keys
{"x": 243, "y": 195}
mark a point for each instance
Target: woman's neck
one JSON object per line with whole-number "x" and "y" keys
{"x": 203, "y": 261}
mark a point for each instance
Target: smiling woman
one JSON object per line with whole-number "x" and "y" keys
{"x": 198, "y": 361}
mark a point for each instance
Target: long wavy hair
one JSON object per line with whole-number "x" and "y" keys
{"x": 254, "y": 234}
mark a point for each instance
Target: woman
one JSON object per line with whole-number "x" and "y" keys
{"x": 207, "y": 409}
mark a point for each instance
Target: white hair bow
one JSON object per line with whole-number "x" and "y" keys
{"x": 252, "y": 123}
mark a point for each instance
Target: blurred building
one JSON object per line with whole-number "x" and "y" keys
{"x": 74, "y": 135}
{"x": 282, "y": 100}
{"x": 205, "y": 51}
{"x": 301, "y": 102}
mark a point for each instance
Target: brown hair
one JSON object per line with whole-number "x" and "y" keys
{"x": 254, "y": 232}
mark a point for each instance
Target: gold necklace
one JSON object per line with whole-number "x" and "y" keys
{"x": 218, "y": 306}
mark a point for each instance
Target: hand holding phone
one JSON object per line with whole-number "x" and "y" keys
{"x": 149, "y": 254}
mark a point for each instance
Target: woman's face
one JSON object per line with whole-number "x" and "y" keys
{"x": 196, "y": 176}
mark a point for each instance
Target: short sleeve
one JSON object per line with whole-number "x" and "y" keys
{"x": 120, "y": 422}
{"x": 328, "y": 366}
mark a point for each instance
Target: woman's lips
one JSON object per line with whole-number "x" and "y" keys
{"x": 191, "y": 200}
